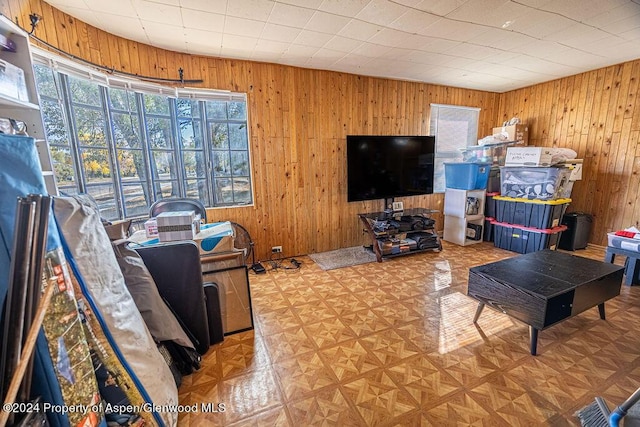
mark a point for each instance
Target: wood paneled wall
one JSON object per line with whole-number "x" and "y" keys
{"x": 597, "y": 114}
{"x": 298, "y": 118}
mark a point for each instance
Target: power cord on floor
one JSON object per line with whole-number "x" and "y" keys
{"x": 281, "y": 263}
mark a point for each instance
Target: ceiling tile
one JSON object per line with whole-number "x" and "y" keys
{"x": 82, "y": 14}
{"x": 243, "y": 27}
{"x": 471, "y": 51}
{"x": 292, "y": 16}
{"x": 371, "y": 50}
{"x": 156, "y": 12}
{"x": 493, "y": 13}
{"x": 200, "y": 20}
{"x": 342, "y": 7}
{"x": 116, "y": 7}
{"x": 502, "y": 39}
{"x": 163, "y": 33}
{"x": 169, "y": 2}
{"x": 239, "y": 43}
{"x": 217, "y": 6}
{"x": 389, "y": 37}
{"x": 381, "y": 12}
{"x": 279, "y": 33}
{"x": 540, "y": 24}
{"x": 312, "y": 38}
{"x": 309, "y": 4}
{"x": 413, "y": 21}
{"x": 581, "y": 10}
{"x": 326, "y": 23}
{"x": 300, "y": 51}
{"x": 342, "y": 44}
{"x": 127, "y": 27}
{"x": 203, "y": 42}
{"x": 440, "y": 7}
{"x": 453, "y": 30}
{"x": 359, "y": 30}
{"x": 250, "y": 9}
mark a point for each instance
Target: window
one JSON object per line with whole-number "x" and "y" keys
{"x": 129, "y": 143}
{"x": 454, "y": 127}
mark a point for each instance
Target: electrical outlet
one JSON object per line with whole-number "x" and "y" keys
{"x": 276, "y": 249}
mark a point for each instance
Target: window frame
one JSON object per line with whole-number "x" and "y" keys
{"x": 452, "y": 152}
{"x": 151, "y": 185}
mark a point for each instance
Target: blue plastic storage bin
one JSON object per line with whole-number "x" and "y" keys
{"x": 467, "y": 176}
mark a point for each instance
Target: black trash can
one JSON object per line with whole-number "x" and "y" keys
{"x": 578, "y": 229}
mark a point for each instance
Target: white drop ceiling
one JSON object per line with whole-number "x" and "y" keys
{"x": 493, "y": 45}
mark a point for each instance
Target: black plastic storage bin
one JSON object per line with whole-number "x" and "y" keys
{"x": 542, "y": 214}
{"x": 487, "y": 235}
{"x": 578, "y": 229}
{"x": 490, "y": 204}
{"x": 525, "y": 240}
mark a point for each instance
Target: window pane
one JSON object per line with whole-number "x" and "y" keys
{"x": 194, "y": 164}
{"x": 67, "y": 190}
{"x": 45, "y": 81}
{"x": 131, "y": 165}
{"x": 54, "y": 123}
{"x": 197, "y": 189}
{"x": 241, "y": 190}
{"x": 126, "y": 130}
{"x": 240, "y": 163}
{"x": 238, "y": 136}
{"x": 221, "y": 163}
{"x": 188, "y": 108}
{"x": 237, "y": 110}
{"x": 216, "y": 110}
{"x": 121, "y": 99}
{"x": 166, "y": 189}
{"x": 160, "y": 135}
{"x": 190, "y": 134}
{"x": 219, "y": 135}
{"x": 84, "y": 92}
{"x": 105, "y": 197}
{"x": 96, "y": 165}
{"x": 62, "y": 165}
{"x": 164, "y": 164}
{"x": 156, "y": 104}
{"x": 135, "y": 203}
{"x": 90, "y": 126}
{"x": 223, "y": 190}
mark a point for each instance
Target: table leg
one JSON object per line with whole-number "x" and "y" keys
{"x": 609, "y": 257}
{"x": 601, "y": 311}
{"x": 478, "y": 311}
{"x": 533, "y": 339}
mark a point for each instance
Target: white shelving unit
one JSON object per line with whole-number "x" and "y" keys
{"x": 22, "y": 110}
{"x": 463, "y": 216}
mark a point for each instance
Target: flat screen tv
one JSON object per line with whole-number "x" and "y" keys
{"x": 384, "y": 167}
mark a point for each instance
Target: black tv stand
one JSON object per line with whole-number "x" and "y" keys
{"x": 401, "y": 233}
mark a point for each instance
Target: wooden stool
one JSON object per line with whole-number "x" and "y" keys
{"x": 631, "y": 265}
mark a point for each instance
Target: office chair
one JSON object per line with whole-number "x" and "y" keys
{"x": 178, "y": 204}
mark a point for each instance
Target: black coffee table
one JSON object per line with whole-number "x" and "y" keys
{"x": 543, "y": 288}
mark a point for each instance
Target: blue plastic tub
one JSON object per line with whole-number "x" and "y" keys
{"x": 467, "y": 176}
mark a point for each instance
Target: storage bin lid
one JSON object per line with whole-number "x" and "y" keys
{"x": 553, "y": 230}
{"x": 537, "y": 201}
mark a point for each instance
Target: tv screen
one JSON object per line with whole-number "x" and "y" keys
{"x": 383, "y": 167}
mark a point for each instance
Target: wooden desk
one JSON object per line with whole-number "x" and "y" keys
{"x": 543, "y": 288}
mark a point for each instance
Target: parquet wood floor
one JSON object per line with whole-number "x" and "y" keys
{"x": 393, "y": 344}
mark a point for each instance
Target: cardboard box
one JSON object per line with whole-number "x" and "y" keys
{"x": 528, "y": 156}
{"x": 519, "y": 133}
{"x": 215, "y": 238}
{"x": 178, "y": 225}
{"x": 12, "y": 82}
{"x": 151, "y": 228}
